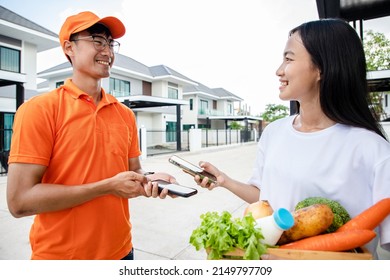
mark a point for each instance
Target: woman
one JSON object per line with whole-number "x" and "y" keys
{"x": 333, "y": 147}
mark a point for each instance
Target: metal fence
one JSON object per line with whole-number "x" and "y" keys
{"x": 218, "y": 137}
{"x": 162, "y": 142}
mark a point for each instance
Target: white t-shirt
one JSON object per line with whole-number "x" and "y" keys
{"x": 347, "y": 164}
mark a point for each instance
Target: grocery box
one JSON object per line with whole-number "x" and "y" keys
{"x": 358, "y": 254}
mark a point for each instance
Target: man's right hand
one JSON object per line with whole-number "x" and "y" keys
{"x": 128, "y": 184}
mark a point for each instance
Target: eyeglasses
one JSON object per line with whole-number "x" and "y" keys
{"x": 101, "y": 43}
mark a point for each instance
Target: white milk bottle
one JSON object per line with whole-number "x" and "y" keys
{"x": 273, "y": 226}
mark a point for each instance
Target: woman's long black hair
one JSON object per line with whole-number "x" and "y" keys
{"x": 337, "y": 51}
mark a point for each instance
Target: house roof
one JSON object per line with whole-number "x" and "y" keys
{"x": 223, "y": 93}
{"x": 60, "y": 67}
{"x": 199, "y": 88}
{"x": 219, "y": 93}
{"x": 18, "y": 27}
{"x": 127, "y": 66}
{"x": 125, "y": 62}
{"x": 164, "y": 71}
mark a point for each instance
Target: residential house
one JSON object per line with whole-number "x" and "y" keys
{"x": 20, "y": 41}
{"x": 215, "y": 108}
{"x": 206, "y": 102}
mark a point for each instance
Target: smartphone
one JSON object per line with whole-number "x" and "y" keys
{"x": 175, "y": 189}
{"x": 191, "y": 168}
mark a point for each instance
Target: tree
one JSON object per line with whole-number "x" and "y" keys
{"x": 274, "y": 112}
{"x": 235, "y": 125}
{"x": 377, "y": 50}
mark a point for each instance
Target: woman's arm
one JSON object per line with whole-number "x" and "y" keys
{"x": 247, "y": 192}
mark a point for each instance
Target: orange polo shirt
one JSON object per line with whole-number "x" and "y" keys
{"x": 79, "y": 143}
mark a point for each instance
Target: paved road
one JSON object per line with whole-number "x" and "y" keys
{"x": 161, "y": 228}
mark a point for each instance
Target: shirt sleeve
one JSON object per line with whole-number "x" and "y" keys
{"x": 32, "y": 138}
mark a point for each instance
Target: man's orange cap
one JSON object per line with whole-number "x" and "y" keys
{"x": 84, "y": 20}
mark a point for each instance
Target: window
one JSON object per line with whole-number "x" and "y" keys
{"x": 6, "y": 122}
{"x": 173, "y": 91}
{"x": 230, "y": 108}
{"x": 170, "y": 132}
{"x": 9, "y": 60}
{"x": 191, "y": 104}
{"x": 204, "y": 106}
{"x": 187, "y": 127}
{"x": 119, "y": 88}
{"x": 146, "y": 88}
{"x": 215, "y": 104}
{"x": 203, "y": 126}
{"x": 58, "y": 84}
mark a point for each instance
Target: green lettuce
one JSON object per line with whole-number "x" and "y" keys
{"x": 221, "y": 233}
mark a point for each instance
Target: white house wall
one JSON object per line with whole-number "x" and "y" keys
{"x": 155, "y": 127}
{"x": 135, "y": 86}
{"x": 8, "y": 104}
{"x": 222, "y": 107}
{"x": 160, "y": 89}
{"x": 29, "y": 65}
{"x": 154, "y": 121}
{"x": 190, "y": 116}
{"x": 169, "y": 118}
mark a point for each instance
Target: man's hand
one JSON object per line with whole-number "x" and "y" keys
{"x": 129, "y": 184}
{"x": 151, "y": 188}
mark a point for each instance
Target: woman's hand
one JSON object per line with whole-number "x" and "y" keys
{"x": 206, "y": 182}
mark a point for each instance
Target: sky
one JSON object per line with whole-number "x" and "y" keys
{"x": 233, "y": 44}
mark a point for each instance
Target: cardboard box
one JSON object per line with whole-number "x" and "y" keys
{"x": 360, "y": 254}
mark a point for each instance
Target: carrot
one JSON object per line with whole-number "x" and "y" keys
{"x": 369, "y": 218}
{"x": 335, "y": 241}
